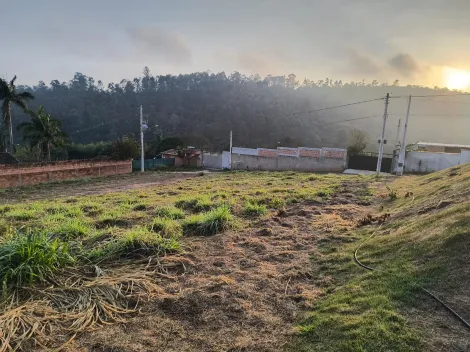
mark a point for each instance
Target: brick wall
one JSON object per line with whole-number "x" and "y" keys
{"x": 31, "y": 174}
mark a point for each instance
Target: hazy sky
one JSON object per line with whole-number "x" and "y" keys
{"x": 415, "y": 41}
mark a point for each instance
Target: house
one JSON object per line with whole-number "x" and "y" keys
{"x": 185, "y": 157}
{"x": 441, "y": 147}
{"x": 430, "y": 157}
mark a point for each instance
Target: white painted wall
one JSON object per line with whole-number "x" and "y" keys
{"x": 429, "y": 162}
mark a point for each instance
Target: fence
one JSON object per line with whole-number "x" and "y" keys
{"x": 423, "y": 162}
{"x": 150, "y": 164}
{"x": 34, "y": 173}
{"x": 283, "y": 158}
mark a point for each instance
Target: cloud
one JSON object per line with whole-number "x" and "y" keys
{"x": 154, "y": 42}
{"x": 358, "y": 64}
{"x": 404, "y": 64}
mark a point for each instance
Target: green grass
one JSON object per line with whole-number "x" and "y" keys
{"x": 209, "y": 223}
{"x": 139, "y": 241}
{"x": 196, "y": 204}
{"x": 21, "y": 214}
{"x": 170, "y": 213}
{"x": 31, "y": 257}
{"x": 167, "y": 227}
{"x": 253, "y": 209}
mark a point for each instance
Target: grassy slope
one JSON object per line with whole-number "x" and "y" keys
{"x": 426, "y": 243}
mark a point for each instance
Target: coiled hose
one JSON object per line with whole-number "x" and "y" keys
{"x": 457, "y": 315}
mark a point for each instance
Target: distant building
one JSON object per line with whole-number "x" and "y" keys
{"x": 185, "y": 157}
{"x": 441, "y": 147}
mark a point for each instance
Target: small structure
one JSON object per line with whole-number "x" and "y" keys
{"x": 7, "y": 159}
{"x": 430, "y": 157}
{"x": 185, "y": 157}
{"x": 441, "y": 147}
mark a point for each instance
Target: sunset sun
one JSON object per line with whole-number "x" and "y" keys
{"x": 457, "y": 79}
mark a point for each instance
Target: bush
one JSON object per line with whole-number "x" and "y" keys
{"x": 166, "y": 227}
{"x": 31, "y": 257}
{"x": 126, "y": 148}
{"x": 170, "y": 213}
{"x": 253, "y": 209}
{"x": 210, "y": 223}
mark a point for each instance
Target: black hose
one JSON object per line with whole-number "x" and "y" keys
{"x": 457, "y": 315}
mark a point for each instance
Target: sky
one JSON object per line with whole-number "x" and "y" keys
{"x": 422, "y": 42}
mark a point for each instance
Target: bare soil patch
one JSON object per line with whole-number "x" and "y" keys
{"x": 246, "y": 290}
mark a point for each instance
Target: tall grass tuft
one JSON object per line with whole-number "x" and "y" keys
{"x": 137, "y": 241}
{"x": 170, "y": 213}
{"x": 254, "y": 209}
{"x": 31, "y": 257}
{"x": 210, "y": 223}
{"x": 167, "y": 227}
{"x": 197, "y": 204}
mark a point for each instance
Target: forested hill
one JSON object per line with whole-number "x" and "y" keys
{"x": 203, "y": 107}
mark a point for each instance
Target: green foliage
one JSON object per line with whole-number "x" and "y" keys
{"x": 170, "y": 213}
{"x": 31, "y": 257}
{"x": 166, "y": 227}
{"x": 43, "y": 132}
{"x": 9, "y": 97}
{"x": 90, "y": 151}
{"x": 126, "y": 148}
{"x": 357, "y": 141}
{"x": 21, "y": 214}
{"x": 253, "y": 209}
{"x": 138, "y": 241}
{"x": 68, "y": 228}
{"x": 392, "y": 193}
{"x": 210, "y": 223}
{"x": 197, "y": 204}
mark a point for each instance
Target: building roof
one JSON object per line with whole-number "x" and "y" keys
{"x": 429, "y": 144}
{"x": 6, "y": 158}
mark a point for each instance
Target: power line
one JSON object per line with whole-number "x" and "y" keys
{"x": 442, "y": 101}
{"x": 335, "y": 107}
{"x": 430, "y": 95}
{"x": 354, "y": 119}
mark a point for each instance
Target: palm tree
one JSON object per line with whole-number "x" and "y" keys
{"x": 10, "y": 96}
{"x": 43, "y": 131}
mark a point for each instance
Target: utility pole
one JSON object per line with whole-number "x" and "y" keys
{"x": 141, "y": 141}
{"x": 397, "y": 141}
{"x": 381, "y": 148}
{"x": 230, "y": 160}
{"x": 401, "y": 156}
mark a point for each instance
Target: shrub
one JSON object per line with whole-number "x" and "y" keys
{"x": 253, "y": 209}
{"x": 392, "y": 193}
{"x": 210, "y": 223}
{"x": 170, "y": 213}
{"x": 31, "y": 257}
{"x": 166, "y": 227}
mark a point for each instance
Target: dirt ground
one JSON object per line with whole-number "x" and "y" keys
{"x": 95, "y": 185}
{"x": 245, "y": 291}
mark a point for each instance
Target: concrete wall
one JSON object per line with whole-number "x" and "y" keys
{"x": 212, "y": 161}
{"x": 430, "y": 162}
{"x": 31, "y": 174}
{"x": 281, "y": 163}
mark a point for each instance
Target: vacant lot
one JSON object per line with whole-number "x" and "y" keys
{"x": 234, "y": 262}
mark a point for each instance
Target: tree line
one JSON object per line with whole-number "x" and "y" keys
{"x": 198, "y": 108}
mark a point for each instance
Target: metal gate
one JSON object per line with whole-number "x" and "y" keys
{"x": 369, "y": 162}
